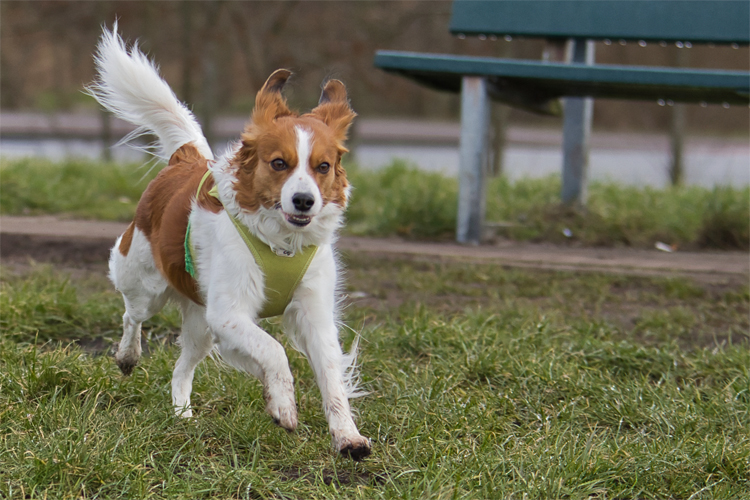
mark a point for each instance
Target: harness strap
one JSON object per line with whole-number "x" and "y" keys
{"x": 282, "y": 274}
{"x": 189, "y": 264}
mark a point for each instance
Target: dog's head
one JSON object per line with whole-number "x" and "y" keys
{"x": 289, "y": 166}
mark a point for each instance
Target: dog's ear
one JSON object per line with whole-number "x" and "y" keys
{"x": 333, "y": 91}
{"x": 270, "y": 103}
{"x": 334, "y": 110}
{"x": 276, "y": 81}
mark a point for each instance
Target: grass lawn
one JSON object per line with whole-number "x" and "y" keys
{"x": 484, "y": 383}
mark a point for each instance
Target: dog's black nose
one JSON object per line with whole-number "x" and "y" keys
{"x": 303, "y": 201}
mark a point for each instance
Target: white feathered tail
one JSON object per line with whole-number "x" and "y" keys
{"x": 129, "y": 85}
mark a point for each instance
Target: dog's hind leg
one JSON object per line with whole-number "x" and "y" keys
{"x": 196, "y": 343}
{"x": 144, "y": 290}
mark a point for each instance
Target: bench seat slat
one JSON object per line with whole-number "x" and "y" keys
{"x": 551, "y": 80}
{"x": 696, "y": 21}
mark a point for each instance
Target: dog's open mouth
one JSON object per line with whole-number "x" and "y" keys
{"x": 298, "y": 220}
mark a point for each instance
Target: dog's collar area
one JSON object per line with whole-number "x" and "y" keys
{"x": 281, "y": 252}
{"x": 282, "y": 268}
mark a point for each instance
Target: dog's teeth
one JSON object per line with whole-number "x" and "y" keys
{"x": 298, "y": 220}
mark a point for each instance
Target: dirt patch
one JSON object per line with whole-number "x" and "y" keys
{"x": 76, "y": 252}
{"x": 73, "y": 249}
{"x": 52, "y": 239}
{"x": 705, "y": 266}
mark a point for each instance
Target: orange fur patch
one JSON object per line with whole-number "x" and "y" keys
{"x": 163, "y": 212}
{"x": 127, "y": 239}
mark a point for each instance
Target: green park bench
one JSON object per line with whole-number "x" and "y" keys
{"x": 537, "y": 84}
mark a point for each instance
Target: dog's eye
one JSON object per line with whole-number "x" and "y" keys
{"x": 324, "y": 167}
{"x": 278, "y": 164}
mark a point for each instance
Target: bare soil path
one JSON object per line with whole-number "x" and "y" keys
{"x": 58, "y": 240}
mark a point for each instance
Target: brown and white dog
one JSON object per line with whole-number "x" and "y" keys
{"x": 283, "y": 181}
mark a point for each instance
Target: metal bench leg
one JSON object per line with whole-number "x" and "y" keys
{"x": 475, "y": 121}
{"x": 576, "y": 132}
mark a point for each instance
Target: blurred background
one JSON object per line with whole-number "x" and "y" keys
{"x": 217, "y": 54}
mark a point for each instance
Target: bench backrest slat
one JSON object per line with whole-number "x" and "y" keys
{"x": 695, "y": 21}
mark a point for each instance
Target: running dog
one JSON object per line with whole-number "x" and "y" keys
{"x": 238, "y": 237}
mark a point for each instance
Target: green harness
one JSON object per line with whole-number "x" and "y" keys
{"x": 283, "y": 273}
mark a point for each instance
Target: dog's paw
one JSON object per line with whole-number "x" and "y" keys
{"x": 281, "y": 406}
{"x": 355, "y": 448}
{"x": 126, "y": 362}
{"x": 284, "y": 417}
{"x": 183, "y": 411}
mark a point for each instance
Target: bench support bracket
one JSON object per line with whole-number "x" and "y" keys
{"x": 576, "y": 132}
{"x": 475, "y": 123}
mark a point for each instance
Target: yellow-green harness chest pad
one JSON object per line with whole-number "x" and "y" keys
{"x": 282, "y": 274}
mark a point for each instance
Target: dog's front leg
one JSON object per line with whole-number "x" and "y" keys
{"x": 244, "y": 345}
{"x": 310, "y": 321}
